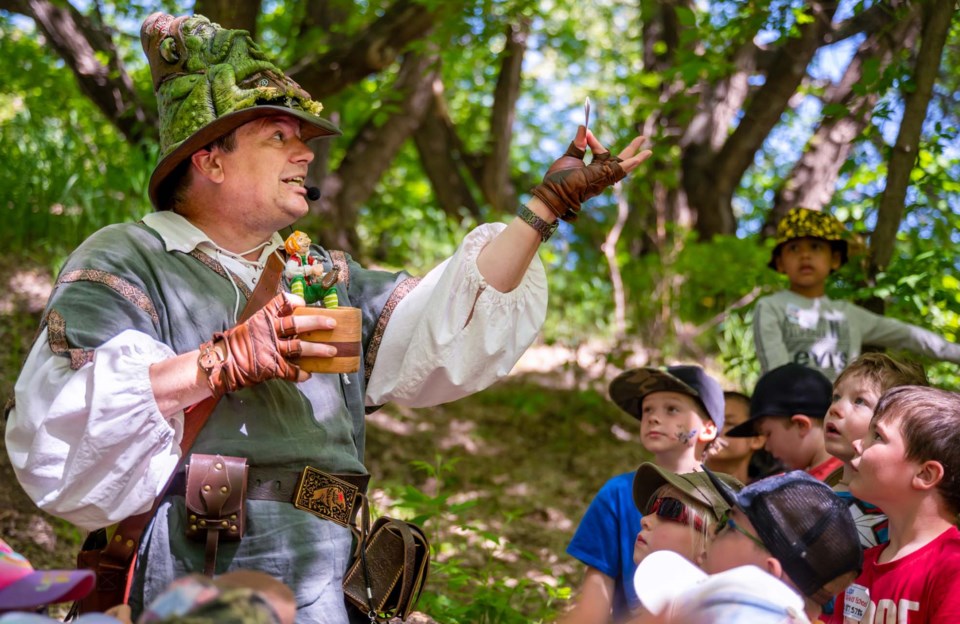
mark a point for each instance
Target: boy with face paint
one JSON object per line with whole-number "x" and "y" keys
{"x": 680, "y": 412}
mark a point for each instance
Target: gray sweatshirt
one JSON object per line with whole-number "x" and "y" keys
{"x": 826, "y": 335}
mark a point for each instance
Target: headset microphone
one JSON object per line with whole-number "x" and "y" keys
{"x": 313, "y": 193}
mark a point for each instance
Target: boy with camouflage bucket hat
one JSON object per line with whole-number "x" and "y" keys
{"x": 803, "y": 326}
{"x": 145, "y": 324}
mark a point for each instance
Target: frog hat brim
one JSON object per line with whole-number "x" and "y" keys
{"x": 806, "y": 223}
{"x": 210, "y": 81}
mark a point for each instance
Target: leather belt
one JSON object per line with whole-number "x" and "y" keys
{"x": 327, "y": 495}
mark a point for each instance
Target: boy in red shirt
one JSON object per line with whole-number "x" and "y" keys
{"x": 908, "y": 466}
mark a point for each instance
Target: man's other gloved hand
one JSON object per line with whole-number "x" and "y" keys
{"x": 570, "y": 182}
{"x": 258, "y": 348}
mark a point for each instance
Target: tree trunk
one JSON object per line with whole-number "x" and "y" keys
{"x": 812, "y": 182}
{"x": 937, "y": 17}
{"x": 230, "y": 13}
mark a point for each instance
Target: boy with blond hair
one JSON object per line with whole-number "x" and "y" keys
{"x": 804, "y": 326}
{"x": 855, "y": 395}
{"x": 787, "y": 408}
{"x": 907, "y": 464}
{"x": 680, "y": 412}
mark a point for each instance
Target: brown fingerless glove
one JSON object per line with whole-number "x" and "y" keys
{"x": 569, "y": 182}
{"x": 256, "y": 350}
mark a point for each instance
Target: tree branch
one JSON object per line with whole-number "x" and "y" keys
{"x": 441, "y": 156}
{"x": 371, "y": 51}
{"x": 937, "y": 17}
{"x": 230, "y": 13}
{"x": 78, "y": 42}
{"x": 812, "y": 181}
{"x": 495, "y": 180}
{"x": 373, "y": 149}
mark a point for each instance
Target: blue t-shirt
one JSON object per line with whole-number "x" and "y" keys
{"x": 605, "y": 537}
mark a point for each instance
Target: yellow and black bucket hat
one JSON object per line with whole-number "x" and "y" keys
{"x": 806, "y": 223}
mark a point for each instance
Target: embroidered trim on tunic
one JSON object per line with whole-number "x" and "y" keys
{"x": 124, "y": 288}
{"x": 57, "y": 339}
{"x": 402, "y": 290}
{"x": 221, "y": 271}
{"x": 339, "y": 259}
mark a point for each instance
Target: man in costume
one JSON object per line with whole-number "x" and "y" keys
{"x": 144, "y": 322}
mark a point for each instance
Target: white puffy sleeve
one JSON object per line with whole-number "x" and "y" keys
{"x": 90, "y": 445}
{"x": 454, "y": 334}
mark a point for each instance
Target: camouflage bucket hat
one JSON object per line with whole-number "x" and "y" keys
{"x": 806, "y": 223}
{"x": 211, "y": 80}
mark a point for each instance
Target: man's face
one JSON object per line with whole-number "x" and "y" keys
{"x": 881, "y": 471}
{"x": 783, "y": 441}
{"x": 848, "y": 418}
{"x": 807, "y": 262}
{"x": 265, "y": 173}
{"x": 737, "y": 412}
{"x": 731, "y": 548}
{"x": 670, "y": 423}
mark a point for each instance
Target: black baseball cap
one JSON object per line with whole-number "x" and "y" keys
{"x": 629, "y": 387}
{"x": 786, "y": 390}
{"x": 804, "y": 525}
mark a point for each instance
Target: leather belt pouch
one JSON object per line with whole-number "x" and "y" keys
{"x": 215, "y": 493}
{"x": 386, "y": 579}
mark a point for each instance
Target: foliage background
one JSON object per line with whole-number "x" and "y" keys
{"x": 655, "y": 272}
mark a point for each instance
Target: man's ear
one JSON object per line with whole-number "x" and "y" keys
{"x": 928, "y": 476}
{"x": 778, "y": 262}
{"x": 708, "y": 432}
{"x": 757, "y": 442}
{"x": 803, "y": 422}
{"x": 835, "y": 260}
{"x": 207, "y": 164}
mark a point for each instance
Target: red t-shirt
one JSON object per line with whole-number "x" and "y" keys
{"x": 921, "y": 588}
{"x": 820, "y": 472}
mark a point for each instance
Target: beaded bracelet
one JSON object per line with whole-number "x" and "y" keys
{"x": 529, "y": 217}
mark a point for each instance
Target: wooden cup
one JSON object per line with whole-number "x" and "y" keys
{"x": 345, "y": 337}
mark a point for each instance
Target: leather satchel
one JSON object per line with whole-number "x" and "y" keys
{"x": 390, "y": 570}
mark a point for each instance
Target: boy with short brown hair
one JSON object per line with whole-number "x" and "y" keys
{"x": 908, "y": 465}
{"x": 855, "y": 394}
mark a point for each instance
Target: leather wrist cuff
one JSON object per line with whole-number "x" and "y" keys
{"x": 543, "y": 228}
{"x": 211, "y": 363}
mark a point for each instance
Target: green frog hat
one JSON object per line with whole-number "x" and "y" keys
{"x": 209, "y": 81}
{"x": 806, "y": 223}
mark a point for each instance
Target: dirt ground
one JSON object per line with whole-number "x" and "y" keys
{"x": 518, "y": 465}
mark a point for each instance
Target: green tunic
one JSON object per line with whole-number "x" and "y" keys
{"x": 123, "y": 278}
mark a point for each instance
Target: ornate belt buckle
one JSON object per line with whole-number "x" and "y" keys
{"x": 326, "y": 496}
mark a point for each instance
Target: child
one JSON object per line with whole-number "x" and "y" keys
{"x": 793, "y": 527}
{"x": 680, "y": 412}
{"x": 788, "y": 407}
{"x": 680, "y": 511}
{"x": 855, "y": 394}
{"x": 733, "y": 455}
{"x": 674, "y": 591}
{"x": 907, "y": 464}
{"x": 804, "y": 326}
